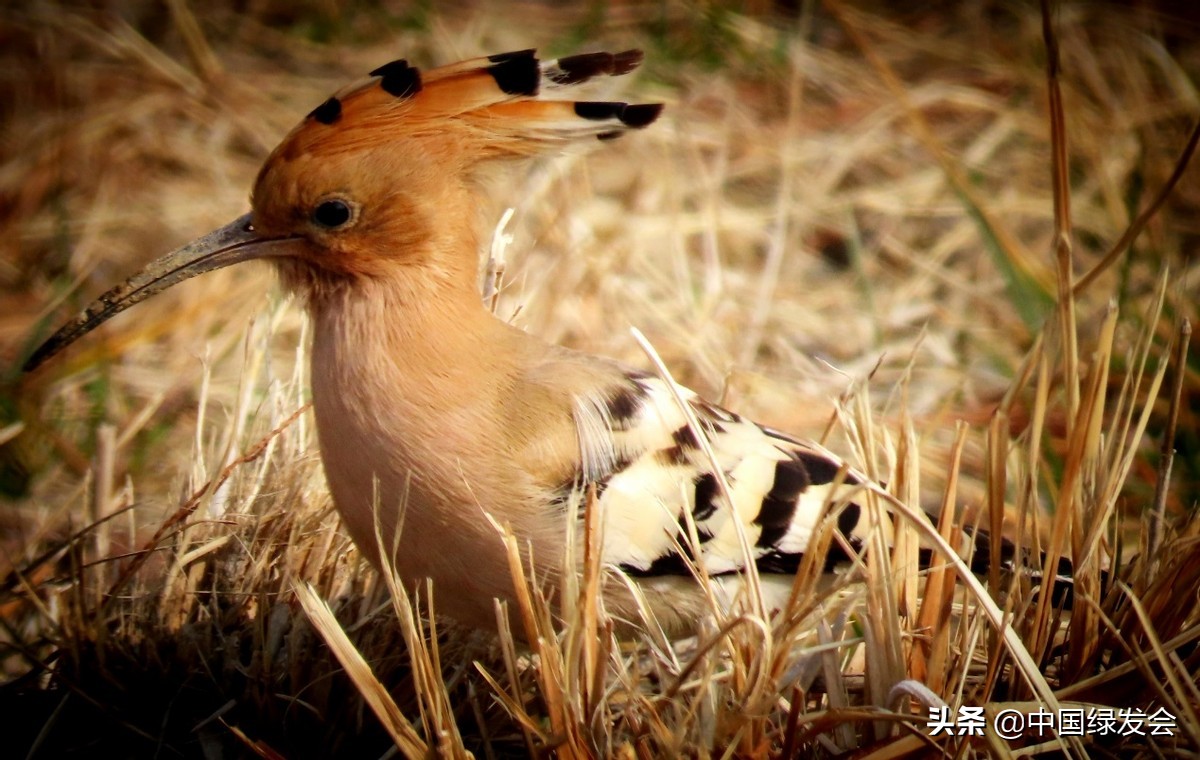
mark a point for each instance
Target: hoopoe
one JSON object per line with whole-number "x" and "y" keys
{"x": 433, "y": 413}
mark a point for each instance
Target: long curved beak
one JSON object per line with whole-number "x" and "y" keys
{"x": 231, "y": 244}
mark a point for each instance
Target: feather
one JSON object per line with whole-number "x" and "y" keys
{"x": 491, "y": 106}
{"x": 780, "y": 487}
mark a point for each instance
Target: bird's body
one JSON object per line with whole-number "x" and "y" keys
{"x": 512, "y": 427}
{"x": 436, "y": 420}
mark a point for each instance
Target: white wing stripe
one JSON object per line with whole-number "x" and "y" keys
{"x": 779, "y": 485}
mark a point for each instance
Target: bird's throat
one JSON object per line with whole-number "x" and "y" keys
{"x": 405, "y": 390}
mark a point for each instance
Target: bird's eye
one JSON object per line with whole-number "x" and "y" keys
{"x": 332, "y": 214}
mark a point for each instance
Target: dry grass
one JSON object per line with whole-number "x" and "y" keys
{"x": 853, "y": 224}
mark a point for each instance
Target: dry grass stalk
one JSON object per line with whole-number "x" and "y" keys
{"x": 406, "y": 738}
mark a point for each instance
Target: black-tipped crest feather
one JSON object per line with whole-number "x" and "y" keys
{"x": 399, "y": 79}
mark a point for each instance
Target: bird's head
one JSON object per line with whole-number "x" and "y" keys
{"x": 381, "y": 175}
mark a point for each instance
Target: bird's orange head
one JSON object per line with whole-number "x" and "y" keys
{"x": 383, "y": 174}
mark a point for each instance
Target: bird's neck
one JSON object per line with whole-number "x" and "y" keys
{"x": 407, "y": 340}
{"x": 407, "y": 381}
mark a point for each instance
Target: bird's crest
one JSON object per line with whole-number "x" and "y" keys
{"x": 493, "y": 106}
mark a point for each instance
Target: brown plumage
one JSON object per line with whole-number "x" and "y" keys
{"x": 425, "y": 401}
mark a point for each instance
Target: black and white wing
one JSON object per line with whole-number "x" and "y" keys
{"x": 650, "y": 473}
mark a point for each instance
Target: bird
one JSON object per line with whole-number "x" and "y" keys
{"x": 436, "y": 420}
